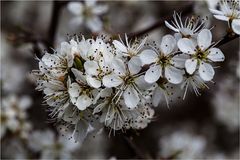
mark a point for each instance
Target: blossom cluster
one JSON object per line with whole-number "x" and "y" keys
{"x": 94, "y": 82}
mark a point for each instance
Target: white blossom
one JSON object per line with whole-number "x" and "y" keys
{"x": 14, "y": 115}
{"x": 129, "y": 83}
{"x": 87, "y": 13}
{"x": 49, "y": 146}
{"x": 81, "y": 94}
{"x": 194, "y": 82}
{"x": 183, "y": 144}
{"x": 186, "y": 29}
{"x": 164, "y": 62}
{"x": 229, "y": 11}
{"x": 129, "y": 48}
{"x": 201, "y": 54}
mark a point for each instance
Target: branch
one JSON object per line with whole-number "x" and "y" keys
{"x": 227, "y": 38}
{"x": 137, "y": 151}
{"x": 184, "y": 10}
{"x": 57, "y": 5}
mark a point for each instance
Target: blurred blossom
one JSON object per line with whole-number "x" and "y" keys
{"x": 51, "y": 147}
{"x": 14, "y": 149}
{"x": 87, "y": 13}
{"x": 182, "y": 144}
{"x": 229, "y": 11}
{"x": 12, "y": 73}
{"x": 226, "y": 103}
{"x": 14, "y": 115}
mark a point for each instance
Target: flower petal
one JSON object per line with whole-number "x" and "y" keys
{"x": 204, "y": 39}
{"x": 76, "y": 22}
{"x": 173, "y": 75}
{"x": 153, "y": 73}
{"x": 186, "y": 46}
{"x": 118, "y": 45}
{"x": 91, "y": 67}
{"x": 134, "y": 65}
{"x": 118, "y": 66}
{"x": 157, "y": 97}
{"x": 79, "y": 76}
{"x": 168, "y": 44}
{"x": 95, "y": 24}
{"x": 148, "y": 56}
{"x": 171, "y": 27}
{"x": 206, "y": 71}
{"x": 75, "y": 8}
{"x": 83, "y": 102}
{"x": 141, "y": 83}
{"x": 215, "y": 55}
{"x": 93, "y": 82}
{"x": 80, "y": 131}
{"x": 130, "y": 96}
{"x": 214, "y": 11}
{"x": 112, "y": 80}
{"x": 191, "y": 65}
{"x": 221, "y": 17}
{"x": 236, "y": 26}
{"x": 74, "y": 90}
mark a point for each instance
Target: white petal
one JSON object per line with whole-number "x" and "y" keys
{"x": 186, "y": 46}
{"x": 141, "y": 83}
{"x": 118, "y": 66}
{"x": 93, "y": 82}
{"x": 118, "y": 45}
{"x": 206, "y": 71}
{"x": 83, "y": 102}
{"x": 236, "y": 26}
{"x": 171, "y": 27}
{"x": 157, "y": 97}
{"x": 75, "y": 7}
{"x": 95, "y": 24}
{"x": 191, "y": 65}
{"x": 220, "y": 17}
{"x": 74, "y": 90}
{"x": 179, "y": 60}
{"x": 148, "y": 56}
{"x": 204, "y": 39}
{"x": 76, "y": 22}
{"x": 134, "y": 65}
{"x": 99, "y": 107}
{"x": 173, "y": 75}
{"x": 69, "y": 115}
{"x": 91, "y": 67}
{"x": 79, "y": 76}
{"x": 177, "y": 36}
{"x": 131, "y": 98}
{"x": 215, "y": 55}
{"x": 214, "y": 11}
{"x": 112, "y": 80}
{"x": 153, "y": 73}
{"x": 168, "y": 44}
{"x": 80, "y": 131}
{"x": 65, "y": 48}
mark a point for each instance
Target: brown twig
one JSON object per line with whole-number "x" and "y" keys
{"x": 227, "y": 38}
{"x": 136, "y": 149}
{"x": 57, "y": 5}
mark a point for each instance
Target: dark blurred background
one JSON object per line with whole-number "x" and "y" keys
{"x": 204, "y": 127}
